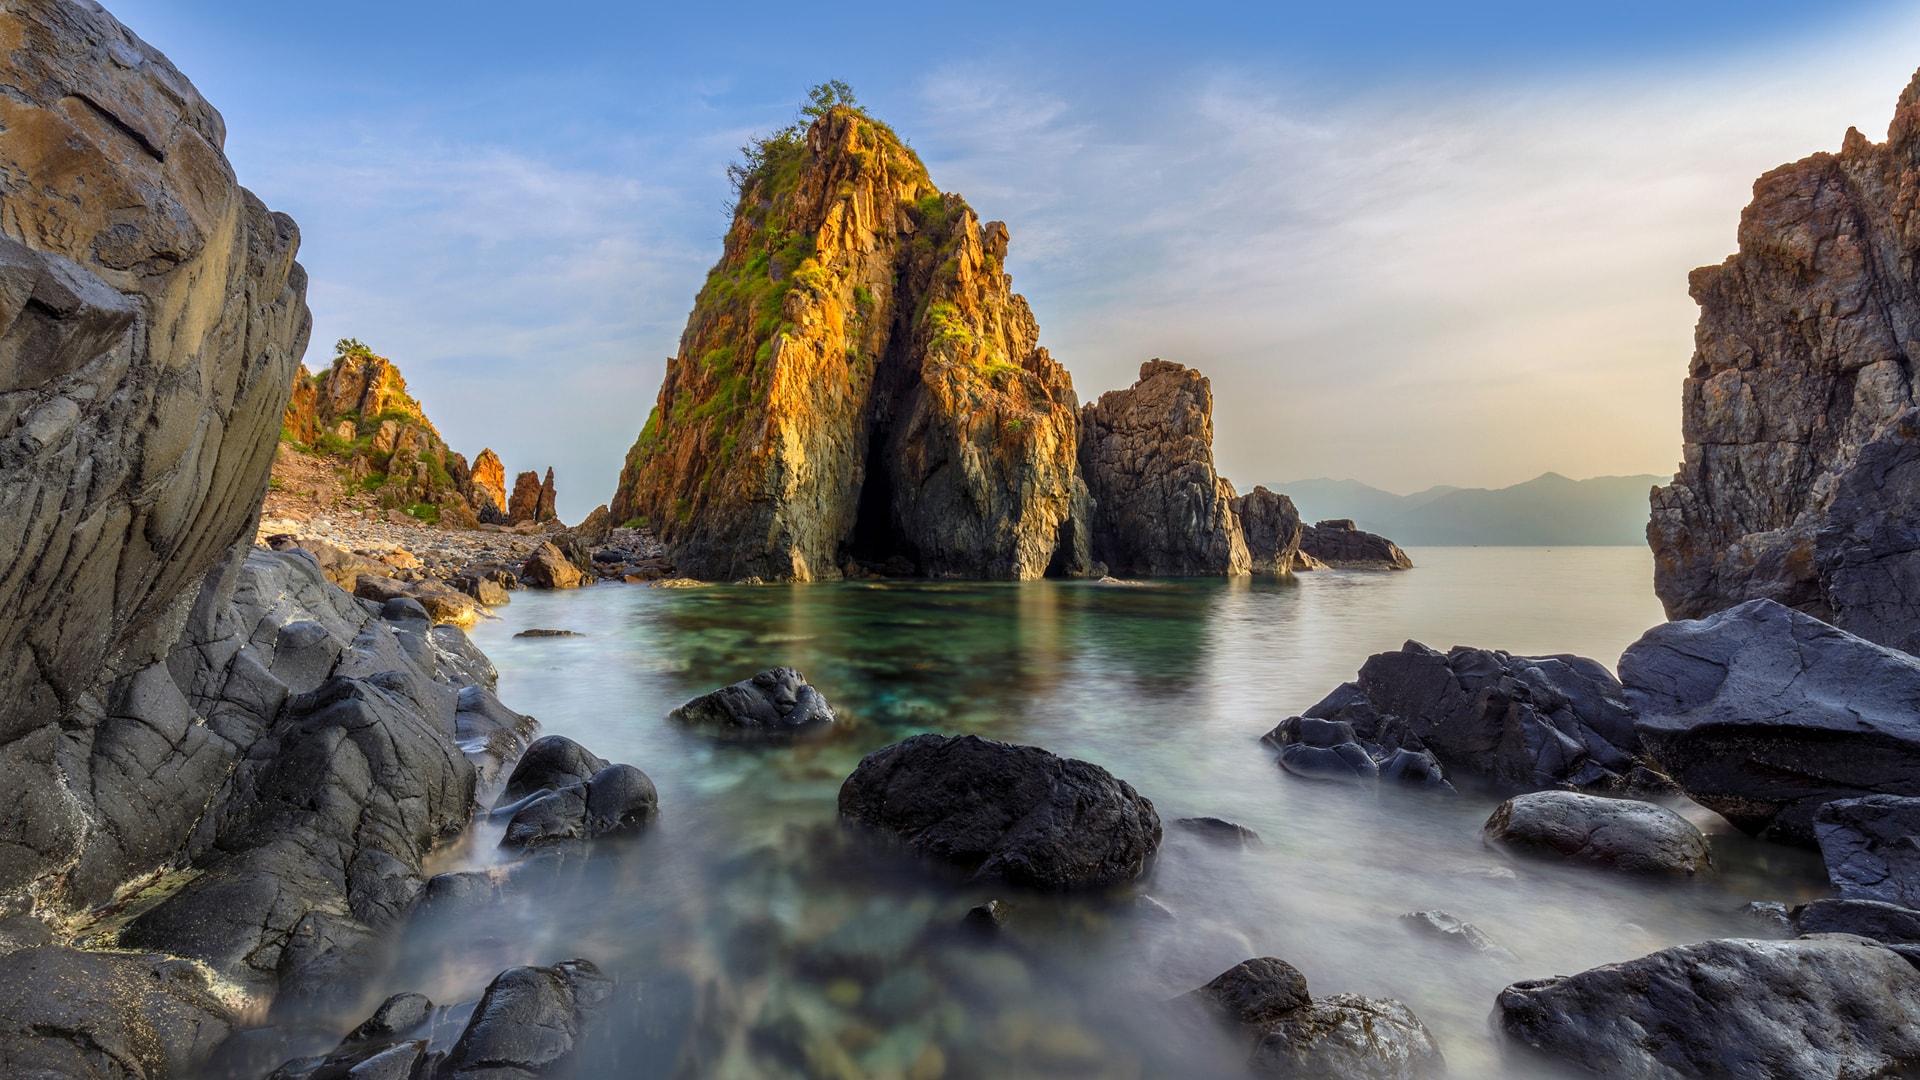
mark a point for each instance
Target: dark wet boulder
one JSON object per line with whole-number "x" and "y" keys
{"x": 1621, "y": 834}
{"x": 1763, "y": 714}
{"x": 617, "y": 800}
{"x": 1318, "y": 749}
{"x": 71, "y": 1014}
{"x": 1507, "y": 723}
{"x": 776, "y": 702}
{"x": 552, "y": 761}
{"x": 1014, "y": 813}
{"x": 1440, "y": 926}
{"x": 529, "y": 1021}
{"x": 1295, "y": 1037}
{"x": 1872, "y": 847}
{"x": 1889, "y": 924}
{"x": 1827, "y": 1006}
{"x": 490, "y": 733}
{"x": 1255, "y": 992}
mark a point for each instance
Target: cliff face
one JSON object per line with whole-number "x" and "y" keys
{"x": 857, "y": 381}
{"x": 151, "y": 320}
{"x": 1147, "y": 455}
{"x": 1801, "y": 473}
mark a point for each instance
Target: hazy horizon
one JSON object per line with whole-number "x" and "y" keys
{"x": 1435, "y": 248}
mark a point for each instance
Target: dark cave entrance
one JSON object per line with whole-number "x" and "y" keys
{"x": 878, "y": 543}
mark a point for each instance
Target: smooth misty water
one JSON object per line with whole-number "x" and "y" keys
{"x": 766, "y": 938}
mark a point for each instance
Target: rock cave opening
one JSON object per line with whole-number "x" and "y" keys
{"x": 877, "y": 540}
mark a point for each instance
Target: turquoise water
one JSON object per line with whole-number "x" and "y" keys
{"x": 770, "y": 942}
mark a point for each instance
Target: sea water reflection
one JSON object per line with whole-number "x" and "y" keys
{"x": 769, "y": 942}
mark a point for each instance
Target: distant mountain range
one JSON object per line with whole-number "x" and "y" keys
{"x": 1549, "y": 510}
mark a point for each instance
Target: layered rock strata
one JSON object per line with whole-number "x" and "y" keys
{"x": 858, "y": 383}
{"x": 1160, "y": 509}
{"x": 1801, "y": 469}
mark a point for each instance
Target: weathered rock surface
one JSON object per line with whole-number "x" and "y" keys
{"x": 1872, "y": 847}
{"x": 442, "y": 603}
{"x": 1762, "y": 714}
{"x": 1146, "y": 454}
{"x": 858, "y": 382}
{"x": 489, "y": 488}
{"x": 1317, "y": 749}
{"x": 544, "y": 509}
{"x": 1620, "y": 834}
{"x": 549, "y": 568}
{"x": 1296, "y": 1037}
{"x": 1270, "y": 524}
{"x": 525, "y": 502}
{"x": 66, "y": 1013}
{"x": 776, "y": 703}
{"x": 614, "y": 801}
{"x": 1816, "y": 1007}
{"x": 1339, "y": 545}
{"x": 151, "y": 321}
{"x": 1889, "y": 924}
{"x": 1801, "y": 469}
{"x": 1509, "y": 723}
{"x": 1451, "y": 930}
{"x": 552, "y": 762}
{"x": 1015, "y": 813}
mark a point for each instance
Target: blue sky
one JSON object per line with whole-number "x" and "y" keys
{"x": 1411, "y": 244}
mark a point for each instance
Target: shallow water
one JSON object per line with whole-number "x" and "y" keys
{"x": 767, "y": 941}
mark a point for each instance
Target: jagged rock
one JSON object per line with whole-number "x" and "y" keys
{"x": 1146, "y": 454}
{"x": 1889, "y": 924}
{"x": 152, "y": 317}
{"x": 549, "y": 568}
{"x": 1339, "y": 545}
{"x": 1762, "y": 714}
{"x": 1304, "y": 563}
{"x": 481, "y": 588}
{"x": 1015, "y": 813}
{"x": 775, "y": 703}
{"x": 1872, "y": 847}
{"x": 489, "y": 487}
{"x": 858, "y": 381}
{"x": 1317, "y": 749}
{"x": 1830, "y": 1006}
{"x": 594, "y": 530}
{"x": 301, "y": 421}
{"x": 1511, "y": 723}
{"x": 1296, "y": 1037}
{"x": 544, "y": 508}
{"x": 1271, "y": 527}
{"x": 525, "y": 503}
{"x": 70, "y": 1014}
{"x": 340, "y": 566}
{"x": 1802, "y": 460}
{"x": 1618, "y": 833}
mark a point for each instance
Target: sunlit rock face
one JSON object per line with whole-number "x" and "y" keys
{"x": 1801, "y": 476}
{"x": 151, "y": 320}
{"x": 858, "y": 382}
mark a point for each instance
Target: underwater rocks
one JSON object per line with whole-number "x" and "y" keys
{"x": 1339, "y": 545}
{"x": 999, "y": 811}
{"x": 1296, "y": 1037}
{"x": 776, "y": 703}
{"x": 1449, "y": 929}
{"x": 1159, "y": 508}
{"x": 1872, "y": 847}
{"x": 1762, "y": 714}
{"x": 1801, "y": 469}
{"x": 1828, "y": 1006}
{"x": 1620, "y": 834}
{"x": 1509, "y": 723}
{"x": 1317, "y": 749}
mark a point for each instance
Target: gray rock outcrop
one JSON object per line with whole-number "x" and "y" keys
{"x": 1817, "y": 1007}
{"x": 1270, "y": 524}
{"x": 1619, "y": 834}
{"x": 1872, "y": 847}
{"x": 151, "y": 320}
{"x": 999, "y": 811}
{"x": 1338, "y": 544}
{"x": 1508, "y": 723}
{"x": 1146, "y": 454}
{"x": 1762, "y": 714}
{"x": 778, "y": 702}
{"x": 1801, "y": 470}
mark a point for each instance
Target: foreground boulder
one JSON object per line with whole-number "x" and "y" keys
{"x": 775, "y": 703}
{"x": 1013, "y": 813}
{"x": 1828, "y": 1006}
{"x": 549, "y": 568}
{"x": 1340, "y": 545}
{"x": 1508, "y": 723}
{"x": 1763, "y": 714}
{"x": 617, "y": 800}
{"x": 1872, "y": 847}
{"x": 1296, "y": 1037}
{"x": 1620, "y": 834}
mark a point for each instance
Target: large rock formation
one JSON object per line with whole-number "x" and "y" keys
{"x": 1801, "y": 474}
{"x": 1271, "y": 526}
{"x": 1146, "y": 452}
{"x": 858, "y": 381}
{"x": 151, "y": 320}
{"x": 1340, "y": 545}
{"x": 489, "y": 487}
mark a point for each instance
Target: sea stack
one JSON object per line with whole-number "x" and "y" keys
{"x": 1801, "y": 472}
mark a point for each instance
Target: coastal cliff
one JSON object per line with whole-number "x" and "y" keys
{"x": 1801, "y": 469}
{"x": 857, "y": 381}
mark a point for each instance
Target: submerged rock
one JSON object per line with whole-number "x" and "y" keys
{"x": 1617, "y": 833}
{"x": 1828, "y": 1006}
{"x": 1339, "y": 545}
{"x": 1318, "y": 749}
{"x": 1448, "y": 928}
{"x": 1220, "y": 831}
{"x": 1763, "y": 714}
{"x": 1872, "y": 847}
{"x": 776, "y": 703}
{"x": 1014, "y": 813}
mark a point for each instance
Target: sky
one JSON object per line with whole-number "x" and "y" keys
{"x": 1412, "y": 244}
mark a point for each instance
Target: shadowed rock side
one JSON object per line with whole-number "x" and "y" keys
{"x": 858, "y": 382}
{"x": 1339, "y": 545}
{"x": 151, "y": 320}
{"x": 1146, "y": 453}
{"x": 1271, "y": 526}
{"x": 1801, "y": 472}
